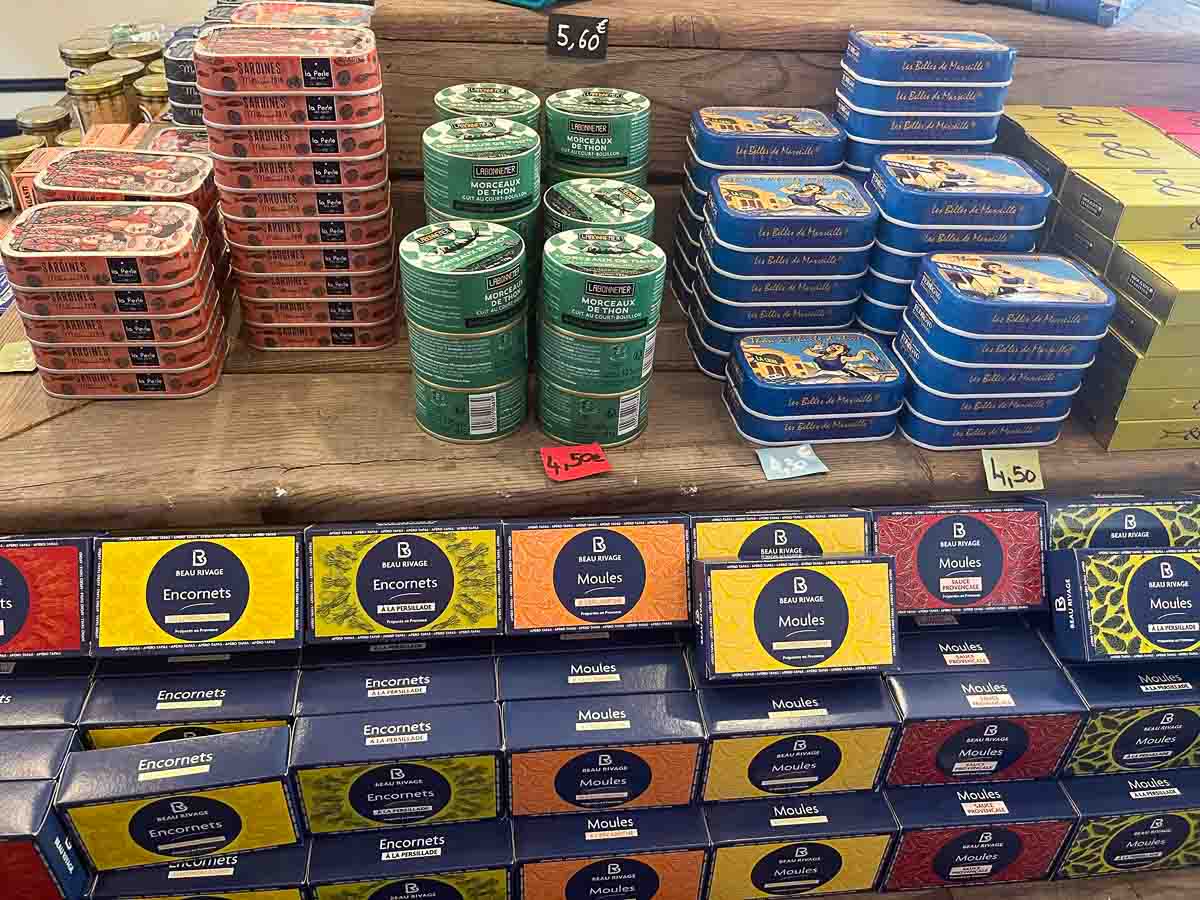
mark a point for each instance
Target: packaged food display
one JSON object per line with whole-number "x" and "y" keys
{"x": 485, "y": 98}
{"x": 750, "y": 138}
{"x": 287, "y": 59}
{"x": 237, "y": 109}
{"x": 273, "y": 142}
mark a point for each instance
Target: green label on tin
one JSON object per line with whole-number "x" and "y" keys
{"x": 525, "y": 224}
{"x": 580, "y": 419}
{"x": 599, "y": 202}
{"x": 462, "y": 276}
{"x": 600, "y": 280}
{"x": 486, "y": 98}
{"x": 633, "y": 176}
{"x": 595, "y": 365}
{"x": 590, "y": 128}
{"x": 471, "y": 360}
{"x": 470, "y": 415}
{"x": 479, "y": 164}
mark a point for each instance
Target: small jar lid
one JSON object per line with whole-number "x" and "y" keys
{"x": 139, "y": 50}
{"x": 42, "y": 117}
{"x": 151, "y": 86}
{"x": 128, "y": 70}
{"x": 72, "y": 137}
{"x": 156, "y": 67}
{"x": 19, "y": 146}
{"x": 85, "y": 49}
{"x": 94, "y": 85}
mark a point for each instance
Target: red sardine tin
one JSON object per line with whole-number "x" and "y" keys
{"x": 76, "y": 244}
{"x": 177, "y": 139}
{"x": 346, "y": 285}
{"x": 328, "y": 204}
{"x": 300, "y": 232}
{"x": 282, "y": 109}
{"x": 318, "y": 312}
{"x": 130, "y": 329}
{"x": 268, "y": 13}
{"x": 42, "y": 597}
{"x": 318, "y": 141}
{"x": 322, "y": 337}
{"x": 124, "y": 302}
{"x": 273, "y": 58}
{"x": 304, "y": 260}
{"x": 141, "y": 357}
{"x": 301, "y": 173}
{"x": 133, "y": 385}
{"x": 96, "y": 173}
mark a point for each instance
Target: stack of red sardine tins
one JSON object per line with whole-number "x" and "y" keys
{"x": 296, "y": 128}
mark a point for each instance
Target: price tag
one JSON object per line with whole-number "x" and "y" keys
{"x": 579, "y": 37}
{"x": 1013, "y": 470}
{"x": 570, "y": 463}
{"x": 17, "y": 357}
{"x": 790, "y": 462}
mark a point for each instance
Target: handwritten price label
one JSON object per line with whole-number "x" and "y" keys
{"x": 1013, "y": 470}
{"x": 790, "y": 462}
{"x": 570, "y": 463}
{"x": 581, "y": 37}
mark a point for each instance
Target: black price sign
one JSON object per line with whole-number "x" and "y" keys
{"x": 578, "y": 37}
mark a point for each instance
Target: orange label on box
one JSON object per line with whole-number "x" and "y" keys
{"x": 616, "y": 777}
{"x": 663, "y": 876}
{"x": 603, "y": 574}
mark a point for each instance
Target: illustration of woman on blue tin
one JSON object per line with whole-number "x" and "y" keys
{"x": 747, "y": 120}
{"x": 961, "y": 173}
{"x": 1033, "y": 279}
{"x": 760, "y": 194}
{"x": 841, "y": 361}
{"x": 927, "y": 40}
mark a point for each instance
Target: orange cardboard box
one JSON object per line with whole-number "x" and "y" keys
{"x": 24, "y": 175}
{"x": 581, "y": 574}
{"x": 111, "y": 136}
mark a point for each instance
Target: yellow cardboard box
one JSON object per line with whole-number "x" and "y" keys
{"x": 1020, "y": 121}
{"x": 1150, "y": 336}
{"x": 1128, "y": 146}
{"x": 1136, "y": 204}
{"x": 1075, "y": 238}
{"x": 1163, "y": 277}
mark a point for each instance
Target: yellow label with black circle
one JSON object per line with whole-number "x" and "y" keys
{"x": 285, "y": 894}
{"x": 764, "y": 537}
{"x": 486, "y": 884}
{"x": 104, "y": 738}
{"x": 792, "y": 868}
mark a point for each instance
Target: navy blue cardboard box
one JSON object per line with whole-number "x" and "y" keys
{"x": 398, "y": 685}
{"x": 974, "y": 650}
{"x": 593, "y": 673}
{"x": 36, "y": 853}
{"x": 42, "y": 702}
{"x": 280, "y": 871}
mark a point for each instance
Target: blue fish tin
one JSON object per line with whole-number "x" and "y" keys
{"x": 780, "y": 212}
{"x": 946, "y": 407}
{"x": 905, "y": 236}
{"x": 989, "y": 189}
{"x": 768, "y": 431}
{"x": 879, "y": 317}
{"x": 750, "y": 137}
{"x": 682, "y": 277}
{"x": 932, "y": 435}
{"x": 709, "y": 360}
{"x": 692, "y": 214}
{"x": 1011, "y": 295}
{"x": 929, "y": 56}
{"x": 921, "y": 95}
{"x": 801, "y": 262}
{"x": 720, "y": 338}
{"x": 770, "y": 314}
{"x": 999, "y": 349}
{"x": 695, "y": 195}
{"x": 902, "y": 264}
{"x": 886, "y": 289}
{"x": 778, "y": 288}
{"x": 690, "y": 229}
{"x": 883, "y": 125}
{"x": 858, "y": 176}
{"x": 944, "y": 374}
{"x": 862, "y": 151}
{"x": 880, "y": 334}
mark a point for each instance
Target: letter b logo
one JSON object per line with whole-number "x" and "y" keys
{"x": 614, "y": 868}
{"x": 411, "y": 888}
{"x": 1130, "y": 521}
{"x": 199, "y": 558}
{"x": 990, "y": 731}
{"x": 1168, "y": 718}
{"x": 605, "y": 759}
{"x": 800, "y": 584}
{"x": 598, "y": 544}
{"x": 960, "y": 530}
{"x": 397, "y": 774}
{"x": 178, "y": 807}
{"x": 780, "y": 537}
{"x": 1157, "y": 823}
{"x": 985, "y": 837}
{"x": 403, "y": 550}
{"x": 1166, "y": 570}
{"x": 800, "y": 746}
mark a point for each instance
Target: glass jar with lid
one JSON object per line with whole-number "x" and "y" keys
{"x": 142, "y": 51}
{"x": 80, "y": 53}
{"x": 46, "y": 122}
{"x": 99, "y": 100}
{"x": 156, "y": 67}
{"x": 129, "y": 71}
{"x": 152, "y": 96}
{"x": 14, "y": 151}
{"x": 70, "y": 138}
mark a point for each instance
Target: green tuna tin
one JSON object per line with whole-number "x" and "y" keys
{"x": 479, "y": 164}
{"x": 487, "y": 98}
{"x": 462, "y": 276}
{"x": 601, "y": 281}
{"x": 470, "y": 415}
{"x": 597, "y": 128}
{"x": 595, "y": 365}
{"x": 526, "y": 224}
{"x": 471, "y": 360}
{"x": 598, "y": 203}
{"x": 575, "y": 417}
{"x": 639, "y": 176}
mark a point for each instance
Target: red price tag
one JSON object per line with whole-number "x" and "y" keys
{"x": 570, "y": 463}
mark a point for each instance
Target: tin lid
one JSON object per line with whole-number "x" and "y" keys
{"x": 72, "y": 137}
{"x": 178, "y": 139}
{"x": 42, "y": 117}
{"x": 156, "y": 67}
{"x": 766, "y": 137}
{"x": 308, "y": 14}
{"x": 461, "y": 247}
{"x": 791, "y": 211}
{"x": 85, "y": 49}
{"x": 487, "y": 98}
{"x": 222, "y": 41}
{"x": 599, "y": 202}
{"x": 480, "y": 137}
{"x": 135, "y": 172}
{"x": 128, "y": 70}
{"x": 159, "y": 230}
{"x": 180, "y": 51}
{"x": 815, "y": 374}
{"x": 929, "y": 57}
{"x": 20, "y": 146}
{"x": 598, "y": 103}
{"x": 95, "y": 85}
{"x": 139, "y": 50}
{"x": 1014, "y": 293}
{"x": 605, "y": 253}
{"x": 153, "y": 86}
{"x": 959, "y": 189}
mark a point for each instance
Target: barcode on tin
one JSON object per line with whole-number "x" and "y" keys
{"x": 628, "y": 413}
{"x": 482, "y": 411}
{"x": 648, "y": 353}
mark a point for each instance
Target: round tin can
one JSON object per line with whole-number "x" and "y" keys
{"x": 462, "y": 276}
{"x": 487, "y": 98}
{"x": 184, "y": 92}
{"x": 600, "y": 365}
{"x": 471, "y": 360}
{"x": 482, "y": 165}
{"x": 80, "y": 53}
{"x": 638, "y": 176}
{"x": 598, "y": 203}
{"x": 610, "y": 420}
{"x": 182, "y": 114}
{"x": 14, "y": 151}
{"x": 46, "y": 122}
{"x": 178, "y": 61}
{"x": 597, "y": 128}
{"x": 470, "y": 415}
{"x": 602, "y": 281}
{"x": 70, "y": 138}
{"x": 526, "y": 225}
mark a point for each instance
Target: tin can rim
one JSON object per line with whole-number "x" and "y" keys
{"x": 218, "y": 323}
{"x": 617, "y": 395}
{"x": 861, "y": 324}
{"x": 318, "y": 218}
{"x": 332, "y": 92}
{"x": 263, "y": 326}
{"x": 700, "y": 162}
{"x": 711, "y": 229}
{"x": 339, "y": 274}
{"x": 876, "y": 82}
{"x": 719, "y": 271}
{"x": 597, "y": 339}
{"x": 535, "y": 147}
{"x": 924, "y": 114}
{"x": 518, "y": 260}
{"x": 762, "y": 443}
{"x": 975, "y": 336}
{"x": 518, "y": 319}
{"x": 987, "y": 365}
{"x": 306, "y": 126}
{"x": 475, "y": 390}
{"x": 641, "y": 111}
{"x": 341, "y": 189}
{"x": 951, "y": 447}
{"x": 631, "y": 220}
{"x": 247, "y": 248}
{"x": 929, "y": 390}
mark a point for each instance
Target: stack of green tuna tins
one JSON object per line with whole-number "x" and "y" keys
{"x": 597, "y": 132}
{"x": 598, "y": 316}
{"x": 487, "y": 98}
{"x": 465, "y": 300}
{"x": 597, "y": 203}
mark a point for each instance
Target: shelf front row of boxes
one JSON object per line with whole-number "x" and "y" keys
{"x": 871, "y": 699}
